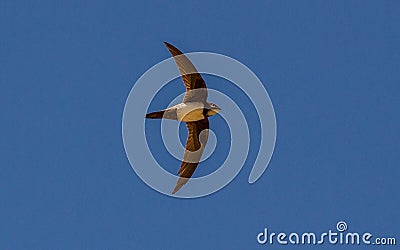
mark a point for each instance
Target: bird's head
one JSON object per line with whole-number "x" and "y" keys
{"x": 212, "y": 109}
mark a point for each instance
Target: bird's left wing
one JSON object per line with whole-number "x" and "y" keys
{"x": 196, "y": 89}
{"x": 195, "y": 144}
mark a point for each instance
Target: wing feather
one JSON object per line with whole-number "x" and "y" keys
{"x": 190, "y": 76}
{"x": 195, "y": 144}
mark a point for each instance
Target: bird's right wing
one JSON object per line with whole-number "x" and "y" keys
{"x": 195, "y": 144}
{"x": 196, "y": 89}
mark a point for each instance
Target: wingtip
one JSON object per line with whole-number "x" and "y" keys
{"x": 172, "y": 49}
{"x": 176, "y": 189}
{"x": 178, "y": 186}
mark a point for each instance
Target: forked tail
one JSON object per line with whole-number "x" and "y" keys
{"x": 155, "y": 115}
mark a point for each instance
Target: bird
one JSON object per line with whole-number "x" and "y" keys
{"x": 194, "y": 110}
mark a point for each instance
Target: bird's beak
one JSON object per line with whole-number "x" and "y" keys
{"x": 214, "y": 111}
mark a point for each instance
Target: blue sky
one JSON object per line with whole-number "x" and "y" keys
{"x": 66, "y": 69}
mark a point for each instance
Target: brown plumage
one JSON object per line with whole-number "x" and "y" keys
{"x": 191, "y": 78}
{"x": 195, "y": 144}
{"x": 192, "y": 81}
{"x": 197, "y": 108}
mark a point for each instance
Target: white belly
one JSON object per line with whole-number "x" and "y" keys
{"x": 190, "y": 112}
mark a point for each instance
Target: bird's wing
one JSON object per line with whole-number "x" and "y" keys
{"x": 196, "y": 141}
{"x": 196, "y": 89}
